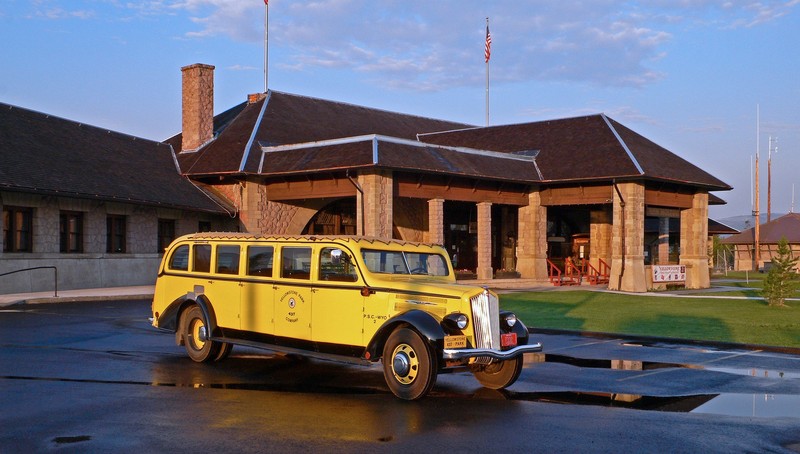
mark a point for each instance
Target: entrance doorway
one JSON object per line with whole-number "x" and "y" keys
{"x": 336, "y": 218}
{"x": 461, "y": 235}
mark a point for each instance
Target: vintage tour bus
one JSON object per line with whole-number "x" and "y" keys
{"x": 353, "y": 297}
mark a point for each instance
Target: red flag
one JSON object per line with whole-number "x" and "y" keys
{"x": 487, "y": 50}
{"x": 266, "y": 2}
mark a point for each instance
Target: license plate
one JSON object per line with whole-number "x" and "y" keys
{"x": 508, "y": 340}
{"x": 455, "y": 341}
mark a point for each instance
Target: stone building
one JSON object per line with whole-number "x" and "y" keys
{"x": 98, "y": 205}
{"x": 292, "y": 164}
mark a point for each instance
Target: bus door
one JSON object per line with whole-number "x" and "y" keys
{"x": 292, "y": 297}
{"x": 257, "y": 306}
{"x": 222, "y": 285}
{"x": 338, "y": 305}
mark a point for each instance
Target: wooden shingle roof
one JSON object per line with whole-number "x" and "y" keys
{"x": 593, "y": 147}
{"x": 284, "y": 119}
{"x": 771, "y": 232}
{"x": 44, "y": 154}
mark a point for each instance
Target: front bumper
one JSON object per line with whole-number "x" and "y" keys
{"x": 467, "y": 353}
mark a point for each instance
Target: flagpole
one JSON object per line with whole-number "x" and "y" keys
{"x": 266, "y": 42}
{"x": 487, "y": 54}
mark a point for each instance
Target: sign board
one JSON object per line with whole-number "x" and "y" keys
{"x": 669, "y": 273}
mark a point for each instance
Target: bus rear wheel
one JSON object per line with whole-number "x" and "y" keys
{"x": 195, "y": 336}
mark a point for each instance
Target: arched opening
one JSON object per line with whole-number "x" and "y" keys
{"x": 336, "y": 218}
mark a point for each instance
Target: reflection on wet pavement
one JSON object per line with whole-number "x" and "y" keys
{"x": 754, "y": 405}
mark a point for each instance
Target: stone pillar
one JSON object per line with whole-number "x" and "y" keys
{"x": 663, "y": 242}
{"x": 198, "y": 105}
{"x": 694, "y": 236}
{"x": 627, "y": 245}
{"x": 436, "y": 221}
{"x": 484, "y": 270}
{"x": 532, "y": 239}
{"x": 600, "y": 237}
{"x": 375, "y": 205}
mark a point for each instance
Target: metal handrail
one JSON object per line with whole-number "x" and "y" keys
{"x": 55, "y": 279}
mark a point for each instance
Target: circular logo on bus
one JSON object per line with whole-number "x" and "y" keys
{"x": 292, "y": 303}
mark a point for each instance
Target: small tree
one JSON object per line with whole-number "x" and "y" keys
{"x": 780, "y": 282}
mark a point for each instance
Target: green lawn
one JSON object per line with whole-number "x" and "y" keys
{"x": 727, "y": 320}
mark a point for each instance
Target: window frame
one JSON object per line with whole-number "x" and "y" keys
{"x": 71, "y": 241}
{"x": 17, "y": 238}
{"x": 166, "y": 234}
{"x": 116, "y": 234}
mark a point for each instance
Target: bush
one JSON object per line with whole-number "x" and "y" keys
{"x": 780, "y": 282}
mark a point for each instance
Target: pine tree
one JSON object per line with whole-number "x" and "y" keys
{"x": 781, "y": 279}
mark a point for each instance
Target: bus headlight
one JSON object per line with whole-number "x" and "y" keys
{"x": 456, "y": 320}
{"x": 511, "y": 320}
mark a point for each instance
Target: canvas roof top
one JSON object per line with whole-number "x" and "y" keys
{"x": 45, "y": 154}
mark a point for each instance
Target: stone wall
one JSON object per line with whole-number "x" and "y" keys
{"x": 93, "y": 267}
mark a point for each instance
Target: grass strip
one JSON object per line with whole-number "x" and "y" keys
{"x": 713, "y": 319}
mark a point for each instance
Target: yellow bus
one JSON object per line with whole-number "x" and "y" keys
{"x": 354, "y": 298}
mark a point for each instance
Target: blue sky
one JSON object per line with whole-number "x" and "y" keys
{"x": 688, "y": 74}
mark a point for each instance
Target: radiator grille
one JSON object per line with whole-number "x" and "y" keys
{"x": 486, "y": 322}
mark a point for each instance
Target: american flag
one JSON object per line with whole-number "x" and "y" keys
{"x": 487, "y": 50}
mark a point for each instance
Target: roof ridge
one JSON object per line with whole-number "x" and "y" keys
{"x": 623, "y": 144}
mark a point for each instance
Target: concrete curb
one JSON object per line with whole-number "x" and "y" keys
{"x": 77, "y": 299}
{"x": 670, "y": 340}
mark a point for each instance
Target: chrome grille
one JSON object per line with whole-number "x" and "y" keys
{"x": 486, "y": 322}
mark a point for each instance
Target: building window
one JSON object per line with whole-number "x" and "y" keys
{"x": 115, "y": 234}
{"x": 17, "y": 229}
{"x": 71, "y": 231}
{"x": 204, "y": 226}
{"x": 166, "y": 233}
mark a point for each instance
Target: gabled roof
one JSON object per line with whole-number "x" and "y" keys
{"x": 284, "y": 119}
{"x": 593, "y": 147}
{"x": 394, "y": 153}
{"x": 44, "y": 154}
{"x": 787, "y": 226}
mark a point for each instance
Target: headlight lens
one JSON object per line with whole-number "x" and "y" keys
{"x": 456, "y": 320}
{"x": 511, "y": 320}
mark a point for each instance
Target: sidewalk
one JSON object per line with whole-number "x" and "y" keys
{"x": 90, "y": 294}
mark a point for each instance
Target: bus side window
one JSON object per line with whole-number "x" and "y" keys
{"x": 296, "y": 262}
{"x": 336, "y": 265}
{"x": 259, "y": 260}
{"x": 180, "y": 258}
{"x": 228, "y": 259}
{"x": 202, "y": 258}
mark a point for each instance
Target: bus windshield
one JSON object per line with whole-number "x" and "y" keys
{"x": 398, "y": 262}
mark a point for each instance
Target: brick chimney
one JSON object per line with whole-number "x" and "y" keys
{"x": 198, "y": 105}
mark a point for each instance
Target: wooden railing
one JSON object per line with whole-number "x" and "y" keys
{"x": 570, "y": 276}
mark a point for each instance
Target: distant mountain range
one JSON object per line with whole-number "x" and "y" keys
{"x": 745, "y": 221}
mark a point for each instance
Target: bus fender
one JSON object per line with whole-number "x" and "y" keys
{"x": 428, "y": 327}
{"x": 169, "y": 320}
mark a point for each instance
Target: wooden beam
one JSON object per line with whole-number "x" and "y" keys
{"x": 461, "y": 190}
{"x": 309, "y": 189}
{"x": 576, "y": 195}
{"x": 668, "y": 199}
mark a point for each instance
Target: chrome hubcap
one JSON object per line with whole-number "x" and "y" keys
{"x": 405, "y": 364}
